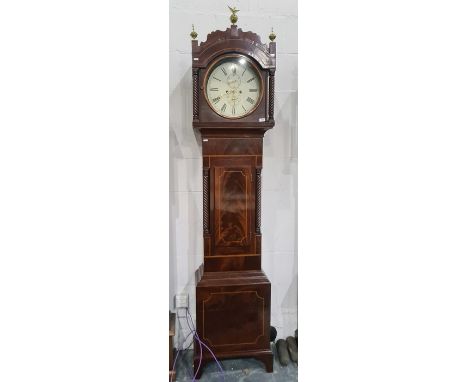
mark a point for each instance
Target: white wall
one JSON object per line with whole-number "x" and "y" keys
{"x": 279, "y": 188}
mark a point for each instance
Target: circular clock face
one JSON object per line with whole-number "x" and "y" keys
{"x": 233, "y": 87}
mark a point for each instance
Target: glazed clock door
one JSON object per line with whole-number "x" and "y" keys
{"x": 233, "y": 86}
{"x": 234, "y": 205}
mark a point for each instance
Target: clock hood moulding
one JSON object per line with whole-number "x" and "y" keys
{"x": 233, "y": 39}
{"x": 222, "y": 43}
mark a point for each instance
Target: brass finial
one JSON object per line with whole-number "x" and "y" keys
{"x": 233, "y": 17}
{"x": 272, "y": 35}
{"x": 193, "y": 34}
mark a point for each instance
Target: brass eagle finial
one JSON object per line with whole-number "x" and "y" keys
{"x": 233, "y": 17}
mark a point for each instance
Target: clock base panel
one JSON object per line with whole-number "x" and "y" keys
{"x": 233, "y": 316}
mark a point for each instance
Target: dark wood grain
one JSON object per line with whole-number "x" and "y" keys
{"x": 232, "y": 292}
{"x": 233, "y": 205}
{"x": 231, "y": 145}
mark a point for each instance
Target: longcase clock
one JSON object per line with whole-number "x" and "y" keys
{"x": 233, "y": 107}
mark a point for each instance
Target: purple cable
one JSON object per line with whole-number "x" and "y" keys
{"x": 201, "y": 352}
{"x": 202, "y": 343}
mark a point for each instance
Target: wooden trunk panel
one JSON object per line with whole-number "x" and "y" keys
{"x": 232, "y": 214}
{"x": 233, "y": 206}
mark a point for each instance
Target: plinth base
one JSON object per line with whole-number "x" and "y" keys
{"x": 233, "y": 317}
{"x": 264, "y": 356}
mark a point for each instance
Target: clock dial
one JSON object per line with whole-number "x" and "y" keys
{"x": 233, "y": 87}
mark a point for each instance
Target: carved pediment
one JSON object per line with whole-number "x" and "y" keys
{"x": 234, "y": 39}
{"x": 232, "y": 33}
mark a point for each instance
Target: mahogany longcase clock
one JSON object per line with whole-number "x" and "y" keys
{"x": 233, "y": 107}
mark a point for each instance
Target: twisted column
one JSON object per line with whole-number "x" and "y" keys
{"x": 206, "y": 200}
{"x": 195, "y": 93}
{"x": 258, "y": 211}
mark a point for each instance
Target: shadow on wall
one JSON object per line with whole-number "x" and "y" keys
{"x": 183, "y": 239}
{"x": 281, "y": 152}
{"x": 281, "y": 142}
{"x": 289, "y": 307}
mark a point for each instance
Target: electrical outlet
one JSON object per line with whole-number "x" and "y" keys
{"x": 181, "y": 300}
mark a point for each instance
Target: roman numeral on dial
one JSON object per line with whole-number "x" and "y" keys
{"x": 214, "y": 89}
{"x": 251, "y": 79}
{"x": 216, "y": 100}
{"x": 253, "y": 90}
{"x": 223, "y": 109}
{"x": 224, "y": 71}
{"x": 250, "y": 100}
{"x": 234, "y": 70}
{"x": 233, "y": 111}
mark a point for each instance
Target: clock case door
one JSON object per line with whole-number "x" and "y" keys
{"x": 234, "y": 205}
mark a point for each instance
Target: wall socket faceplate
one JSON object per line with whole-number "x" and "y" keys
{"x": 181, "y": 300}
